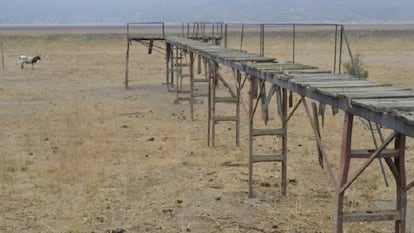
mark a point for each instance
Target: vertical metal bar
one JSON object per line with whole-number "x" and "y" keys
{"x": 343, "y": 172}
{"x": 293, "y": 43}
{"x": 167, "y": 64}
{"x": 284, "y": 140}
{"x": 241, "y": 38}
{"x": 262, "y": 39}
{"x": 163, "y": 30}
{"x": 193, "y": 30}
{"x": 238, "y": 86}
{"x": 192, "y": 84}
{"x": 336, "y": 41}
{"x": 340, "y": 49}
{"x": 188, "y": 30}
{"x": 350, "y": 55}
{"x": 126, "y": 60}
{"x": 2, "y": 54}
{"x": 250, "y": 179}
{"x": 209, "y": 76}
{"x": 213, "y": 103}
{"x": 225, "y": 34}
{"x": 172, "y": 65}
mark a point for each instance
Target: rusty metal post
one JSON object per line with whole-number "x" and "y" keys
{"x": 191, "y": 66}
{"x": 251, "y": 113}
{"x": 284, "y": 140}
{"x": 293, "y": 43}
{"x": 225, "y": 34}
{"x": 213, "y": 104}
{"x": 238, "y": 91}
{"x": 343, "y": 172}
{"x": 336, "y": 45}
{"x": 126, "y": 60}
{"x": 167, "y": 64}
{"x": 210, "y": 83}
{"x": 401, "y": 183}
{"x": 172, "y": 65}
{"x": 2, "y": 54}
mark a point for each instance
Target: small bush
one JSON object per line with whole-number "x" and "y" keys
{"x": 362, "y": 73}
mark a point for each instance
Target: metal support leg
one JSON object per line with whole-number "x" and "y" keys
{"x": 251, "y": 97}
{"x": 167, "y": 65}
{"x": 401, "y": 183}
{"x": 213, "y": 105}
{"x": 191, "y": 67}
{"x": 283, "y": 118}
{"x": 171, "y": 67}
{"x": 126, "y": 65}
{"x": 210, "y": 87}
{"x": 238, "y": 86}
{"x": 343, "y": 172}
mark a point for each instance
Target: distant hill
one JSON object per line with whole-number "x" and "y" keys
{"x": 109, "y": 11}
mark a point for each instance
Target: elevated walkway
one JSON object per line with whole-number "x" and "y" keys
{"x": 382, "y": 104}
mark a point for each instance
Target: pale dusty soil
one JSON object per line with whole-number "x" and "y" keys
{"x": 79, "y": 153}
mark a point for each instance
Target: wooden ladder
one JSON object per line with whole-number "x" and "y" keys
{"x": 281, "y": 97}
{"x": 214, "y": 100}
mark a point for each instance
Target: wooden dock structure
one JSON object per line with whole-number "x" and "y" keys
{"x": 380, "y": 104}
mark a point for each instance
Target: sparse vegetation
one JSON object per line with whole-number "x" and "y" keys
{"x": 359, "y": 69}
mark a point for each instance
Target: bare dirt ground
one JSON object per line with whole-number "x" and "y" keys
{"x": 79, "y": 153}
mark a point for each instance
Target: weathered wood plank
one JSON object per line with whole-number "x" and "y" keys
{"x": 345, "y": 91}
{"x": 383, "y": 95}
{"x": 309, "y": 71}
{"x": 321, "y": 79}
{"x": 386, "y": 105}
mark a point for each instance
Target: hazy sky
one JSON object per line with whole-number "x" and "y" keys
{"x": 121, "y": 11}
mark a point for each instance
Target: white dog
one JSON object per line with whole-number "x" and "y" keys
{"x": 23, "y": 59}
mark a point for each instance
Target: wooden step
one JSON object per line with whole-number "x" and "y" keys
{"x": 225, "y": 99}
{"x": 371, "y": 216}
{"x": 267, "y": 132}
{"x": 183, "y": 92}
{"x": 200, "y": 80}
{"x": 200, "y": 94}
{"x": 366, "y": 153}
{"x": 224, "y": 118}
{"x": 181, "y": 64}
{"x": 266, "y": 158}
{"x": 184, "y": 75}
{"x": 183, "y": 99}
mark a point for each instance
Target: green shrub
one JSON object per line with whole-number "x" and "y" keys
{"x": 361, "y": 72}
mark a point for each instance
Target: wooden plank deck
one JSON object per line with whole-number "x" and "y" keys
{"x": 377, "y": 102}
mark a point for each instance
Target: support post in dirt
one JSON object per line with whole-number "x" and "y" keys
{"x": 2, "y": 55}
{"x": 396, "y": 163}
{"x": 127, "y": 60}
{"x": 343, "y": 171}
{"x": 191, "y": 67}
{"x": 167, "y": 65}
{"x": 250, "y": 169}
